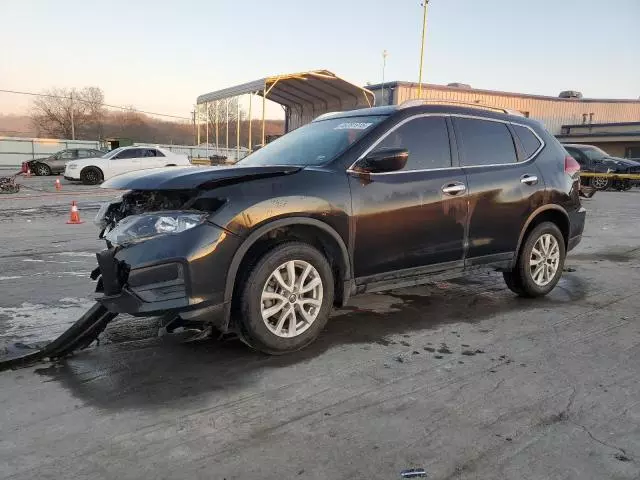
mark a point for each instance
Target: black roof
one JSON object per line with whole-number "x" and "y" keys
{"x": 479, "y": 111}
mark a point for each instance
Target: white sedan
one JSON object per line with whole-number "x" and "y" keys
{"x": 121, "y": 160}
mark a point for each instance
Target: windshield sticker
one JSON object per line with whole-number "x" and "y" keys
{"x": 353, "y": 126}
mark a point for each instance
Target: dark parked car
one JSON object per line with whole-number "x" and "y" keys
{"x": 594, "y": 160}
{"x": 55, "y": 163}
{"x": 358, "y": 201}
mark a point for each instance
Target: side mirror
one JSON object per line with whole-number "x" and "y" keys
{"x": 386, "y": 160}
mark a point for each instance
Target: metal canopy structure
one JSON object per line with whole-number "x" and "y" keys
{"x": 304, "y": 96}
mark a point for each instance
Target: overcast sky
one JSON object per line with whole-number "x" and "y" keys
{"x": 159, "y": 55}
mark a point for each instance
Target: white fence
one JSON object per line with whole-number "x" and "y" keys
{"x": 15, "y": 150}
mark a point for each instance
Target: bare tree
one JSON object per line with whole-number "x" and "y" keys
{"x": 68, "y": 113}
{"x": 217, "y": 113}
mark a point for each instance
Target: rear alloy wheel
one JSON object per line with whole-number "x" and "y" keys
{"x": 600, "y": 183}
{"x": 91, "y": 176}
{"x": 287, "y": 298}
{"x": 42, "y": 170}
{"x": 540, "y": 262}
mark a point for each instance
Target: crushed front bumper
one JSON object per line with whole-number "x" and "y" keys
{"x": 183, "y": 273}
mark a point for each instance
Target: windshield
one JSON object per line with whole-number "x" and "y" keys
{"x": 113, "y": 153}
{"x": 594, "y": 153}
{"x": 315, "y": 143}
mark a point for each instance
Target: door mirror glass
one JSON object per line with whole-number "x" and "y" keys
{"x": 384, "y": 160}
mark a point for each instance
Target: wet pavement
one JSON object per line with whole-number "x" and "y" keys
{"x": 458, "y": 377}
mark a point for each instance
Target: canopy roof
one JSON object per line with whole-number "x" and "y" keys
{"x": 318, "y": 90}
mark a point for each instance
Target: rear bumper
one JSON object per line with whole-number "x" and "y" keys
{"x": 576, "y": 227}
{"x": 184, "y": 273}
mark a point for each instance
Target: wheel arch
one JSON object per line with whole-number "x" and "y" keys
{"x": 546, "y": 213}
{"x": 329, "y": 240}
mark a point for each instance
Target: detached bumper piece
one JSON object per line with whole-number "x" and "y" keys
{"x": 79, "y": 336}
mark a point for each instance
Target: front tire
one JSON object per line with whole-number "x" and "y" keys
{"x": 91, "y": 176}
{"x": 286, "y": 299}
{"x": 601, "y": 183}
{"x": 42, "y": 170}
{"x": 540, "y": 262}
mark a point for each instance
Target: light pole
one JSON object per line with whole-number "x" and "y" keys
{"x": 384, "y": 64}
{"x": 424, "y": 28}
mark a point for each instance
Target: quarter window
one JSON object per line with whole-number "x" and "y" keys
{"x": 426, "y": 139}
{"x": 483, "y": 142}
{"x": 529, "y": 141}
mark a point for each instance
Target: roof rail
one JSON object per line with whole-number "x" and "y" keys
{"x": 427, "y": 101}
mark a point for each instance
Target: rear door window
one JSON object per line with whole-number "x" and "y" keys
{"x": 130, "y": 153}
{"x": 528, "y": 140}
{"x": 427, "y": 140}
{"x": 484, "y": 142}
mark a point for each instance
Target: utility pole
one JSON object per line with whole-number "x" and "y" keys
{"x": 73, "y": 126}
{"x": 424, "y": 28}
{"x": 384, "y": 64}
{"x": 193, "y": 119}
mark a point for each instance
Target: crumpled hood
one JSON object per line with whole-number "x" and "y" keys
{"x": 185, "y": 178}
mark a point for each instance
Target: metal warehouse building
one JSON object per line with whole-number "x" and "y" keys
{"x": 561, "y": 116}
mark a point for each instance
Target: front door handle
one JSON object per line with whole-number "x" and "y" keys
{"x": 454, "y": 188}
{"x": 529, "y": 179}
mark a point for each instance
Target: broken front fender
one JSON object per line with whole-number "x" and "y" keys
{"x": 181, "y": 272}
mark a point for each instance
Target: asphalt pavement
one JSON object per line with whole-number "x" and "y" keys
{"x": 460, "y": 378}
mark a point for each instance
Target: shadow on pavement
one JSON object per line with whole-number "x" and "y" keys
{"x": 158, "y": 372}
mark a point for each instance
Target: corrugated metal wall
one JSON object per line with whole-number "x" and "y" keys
{"x": 552, "y": 112}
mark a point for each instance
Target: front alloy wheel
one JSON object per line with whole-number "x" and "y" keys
{"x": 285, "y": 299}
{"x": 291, "y": 298}
{"x": 42, "y": 170}
{"x": 600, "y": 183}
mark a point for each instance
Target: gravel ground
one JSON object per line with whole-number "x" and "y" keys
{"x": 460, "y": 377}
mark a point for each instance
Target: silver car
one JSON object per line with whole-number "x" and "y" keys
{"x": 55, "y": 163}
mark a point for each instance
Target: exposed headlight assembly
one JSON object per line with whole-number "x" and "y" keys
{"x": 137, "y": 228}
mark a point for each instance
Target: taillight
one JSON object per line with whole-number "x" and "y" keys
{"x": 571, "y": 166}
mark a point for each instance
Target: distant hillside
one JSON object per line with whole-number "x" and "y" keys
{"x": 16, "y": 126}
{"x": 143, "y": 128}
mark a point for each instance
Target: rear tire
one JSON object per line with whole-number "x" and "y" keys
{"x": 91, "y": 176}
{"x": 42, "y": 170}
{"x": 286, "y": 299}
{"x": 540, "y": 262}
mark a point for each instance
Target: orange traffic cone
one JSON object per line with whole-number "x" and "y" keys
{"x": 58, "y": 184}
{"x": 74, "y": 218}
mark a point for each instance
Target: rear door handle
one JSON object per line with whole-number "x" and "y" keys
{"x": 454, "y": 188}
{"x": 529, "y": 179}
